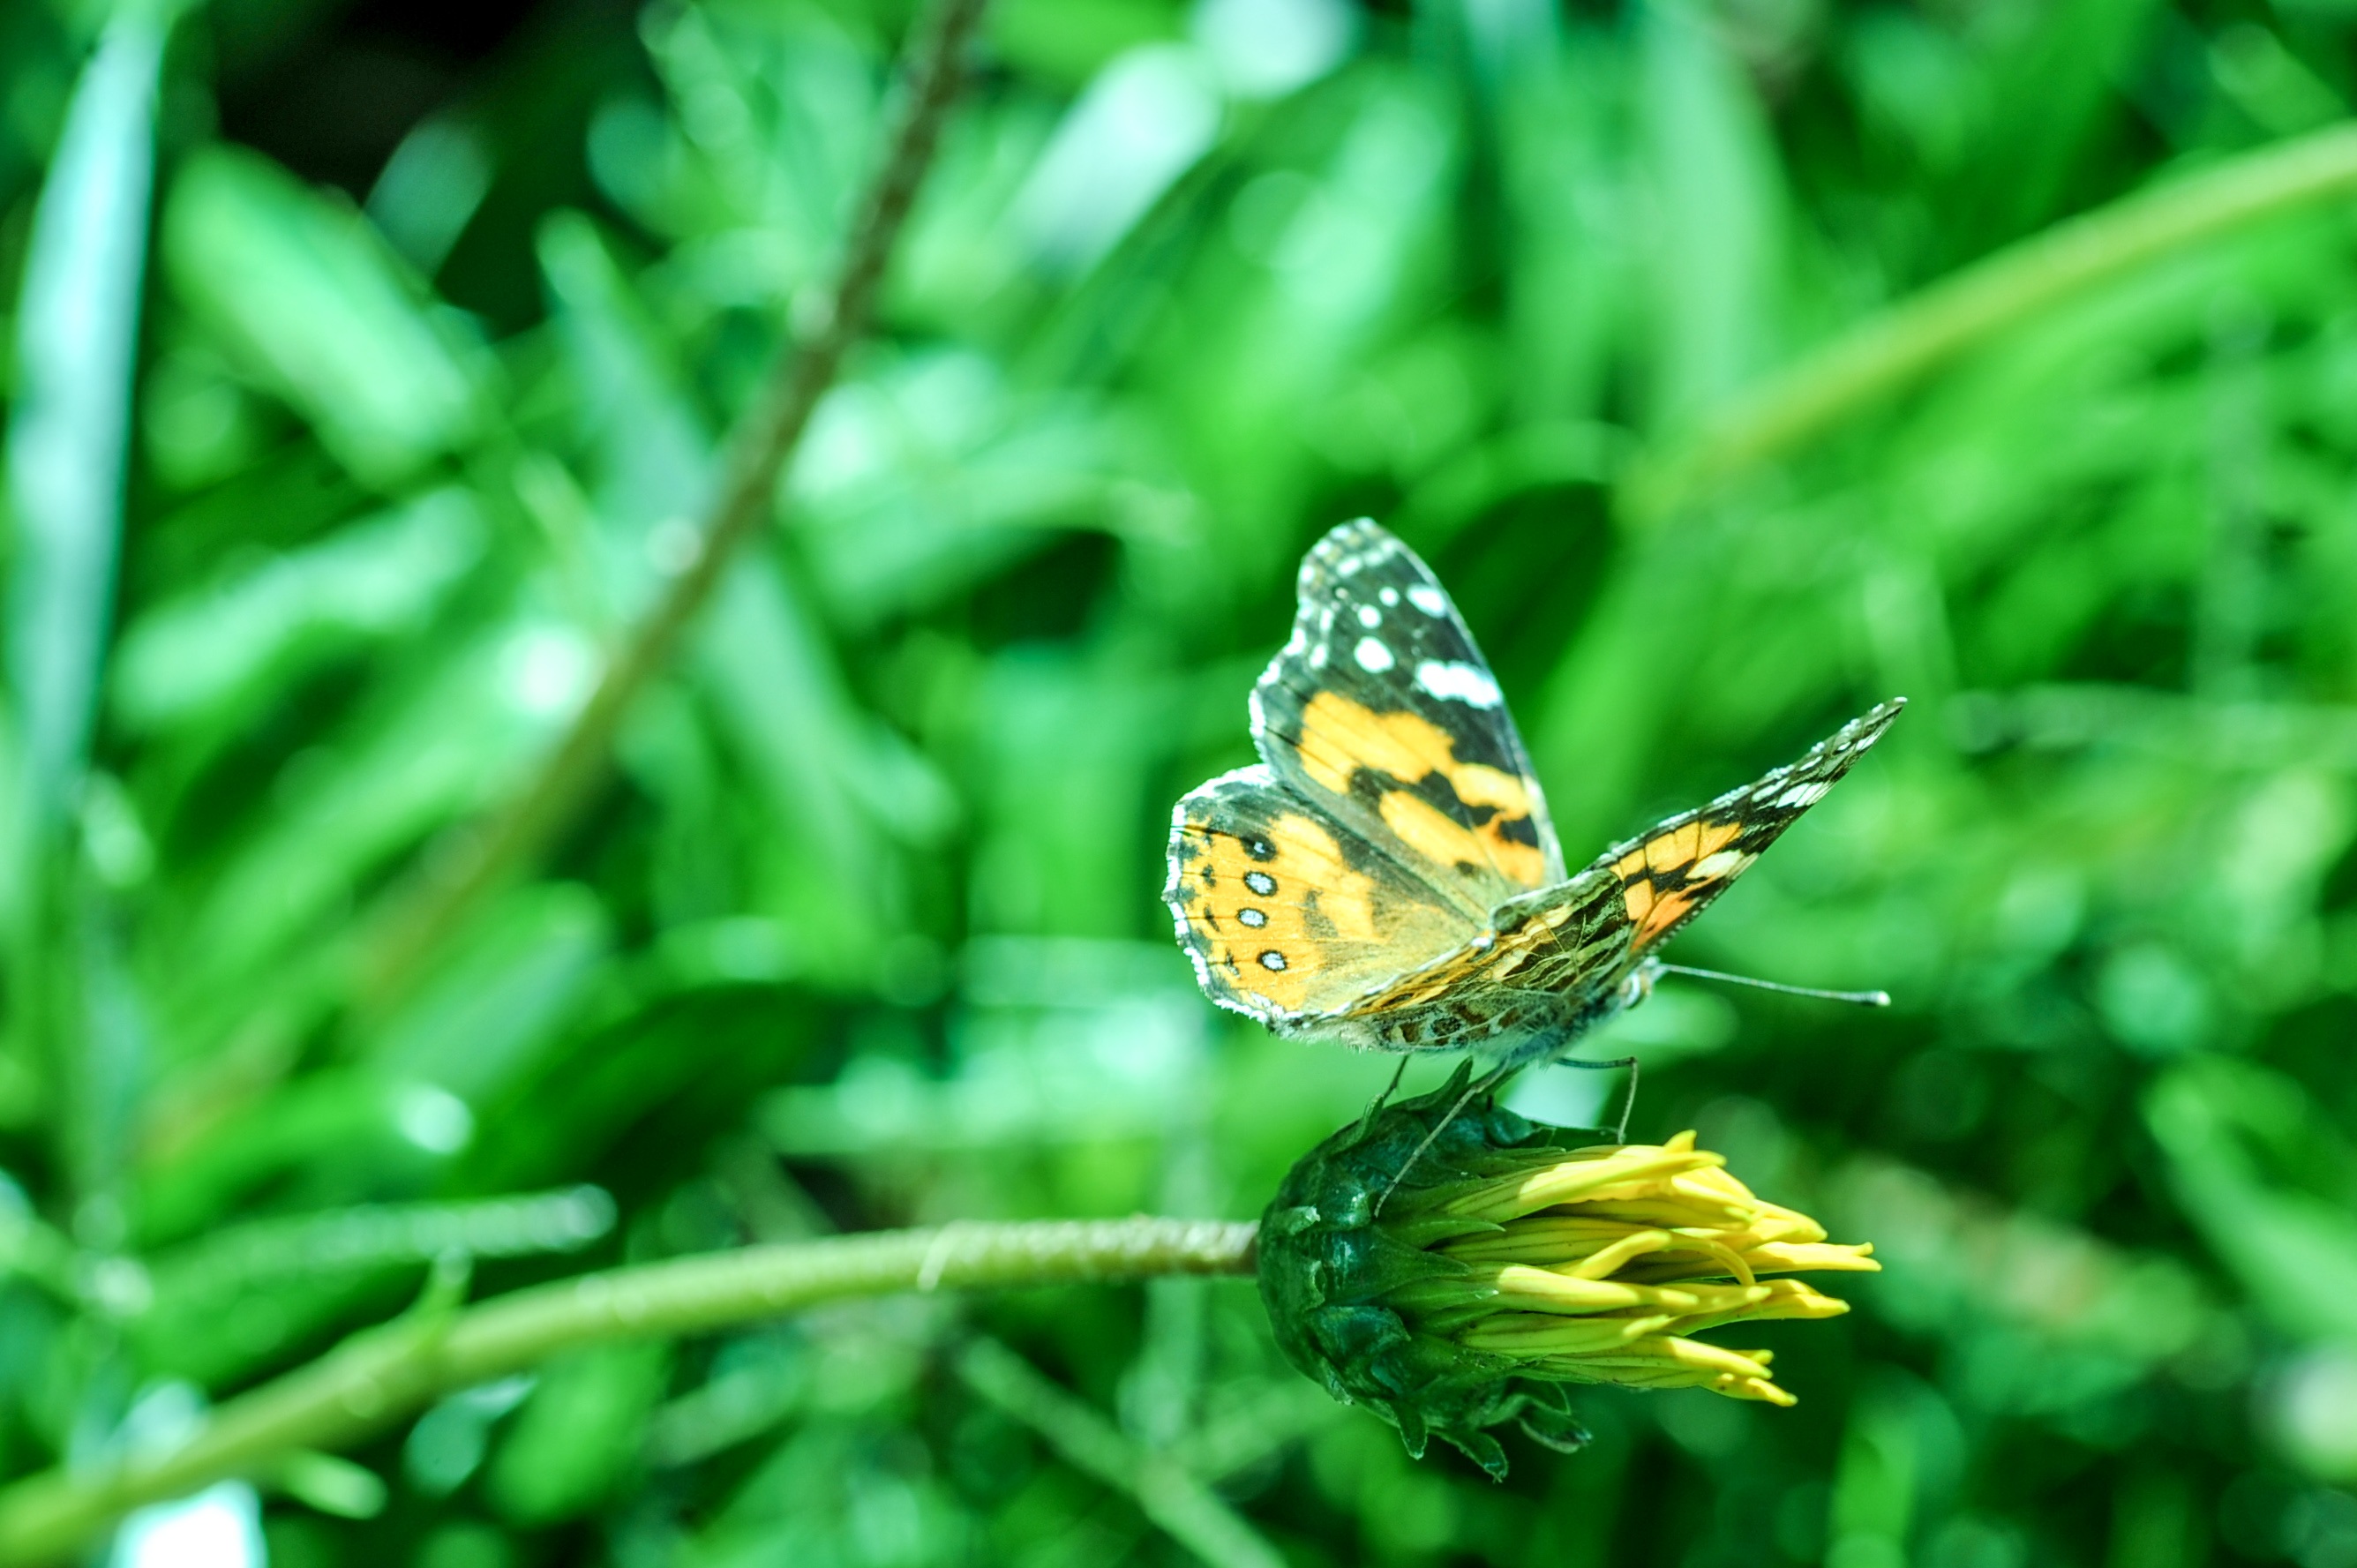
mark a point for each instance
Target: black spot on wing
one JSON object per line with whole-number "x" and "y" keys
{"x": 1521, "y": 830}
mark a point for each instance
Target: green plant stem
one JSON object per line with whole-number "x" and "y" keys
{"x": 758, "y": 453}
{"x": 377, "y": 1376}
{"x": 1894, "y": 351}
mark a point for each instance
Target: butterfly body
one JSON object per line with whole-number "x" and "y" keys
{"x": 1387, "y": 875}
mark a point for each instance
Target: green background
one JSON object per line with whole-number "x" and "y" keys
{"x": 429, "y": 373}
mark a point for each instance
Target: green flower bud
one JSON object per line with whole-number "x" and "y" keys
{"x": 1509, "y": 1263}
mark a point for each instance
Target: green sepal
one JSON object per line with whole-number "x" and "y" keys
{"x": 1431, "y": 1229}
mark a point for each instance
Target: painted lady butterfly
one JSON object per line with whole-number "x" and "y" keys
{"x": 1386, "y": 877}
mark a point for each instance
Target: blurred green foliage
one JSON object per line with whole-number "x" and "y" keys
{"x": 313, "y": 566}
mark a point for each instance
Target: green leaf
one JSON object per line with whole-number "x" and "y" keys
{"x": 69, "y": 414}
{"x": 577, "y": 1435}
{"x": 299, "y": 290}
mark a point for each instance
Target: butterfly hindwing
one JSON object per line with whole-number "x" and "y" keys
{"x": 1287, "y": 913}
{"x": 1381, "y": 711}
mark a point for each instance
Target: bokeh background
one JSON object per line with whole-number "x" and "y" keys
{"x": 440, "y": 318}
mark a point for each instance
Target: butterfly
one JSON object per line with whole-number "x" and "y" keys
{"x": 1386, "y": 876}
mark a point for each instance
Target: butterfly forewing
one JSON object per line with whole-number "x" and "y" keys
{"x": 1381, "y": 711}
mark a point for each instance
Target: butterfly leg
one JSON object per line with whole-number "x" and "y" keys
{"x": 1479, "y": 1086}
{"x": 1628, "y": 1101}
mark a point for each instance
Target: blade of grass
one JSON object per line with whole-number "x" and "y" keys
{"x": 375, "y": 1377}
{"x": 758, "y": 451}
{"x": 375, "y": 1235}
{"x": 1893, "y": 351}
{"x": 1188, "y": 1510}
{"x": 76, "y": 327}
{"x": 69, "y": 427}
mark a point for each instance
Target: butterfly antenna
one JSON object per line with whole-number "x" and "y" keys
{"x": 1399, "y": 1175}
{"x": 1857, "y": 998}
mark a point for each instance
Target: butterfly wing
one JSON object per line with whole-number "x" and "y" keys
{"x": 1575, "y": 944}
{"x": 1668, "y": 874}
{"x": 1381, "y": 711}
{"x": 1287, "y": 913}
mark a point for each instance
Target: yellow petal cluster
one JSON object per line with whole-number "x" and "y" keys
{"x": 1598, "y": 1265}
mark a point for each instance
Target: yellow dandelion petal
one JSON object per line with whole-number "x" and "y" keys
{"x": 1785, "y": 1256}
{"x": 1568, "y": 1181}
{"x": 1779, "y": 1304}
{"x": 1661, "y": 1350}
{"x": 1606, "y": 1261}
{"x": 1789, "y": 1225}
{"x": 1670, "y": 1212}
{"x": 1522, "y": 1287}
{"x": 1538, "y": 1335}
{"x": 1548, "y": 1238}
{"x": 1756, "y": 1389}
{"x": 1720, "y": 1180}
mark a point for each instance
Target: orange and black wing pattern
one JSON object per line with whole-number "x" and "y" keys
{"x": 1393, "y": 807}
{"x": 1381, "y": 711}
{"x": 1287, "y": 913}
{"x": 1557, "y": 960}
{"x": 1387, "y": 876}
{"x": 1667, "y": 876}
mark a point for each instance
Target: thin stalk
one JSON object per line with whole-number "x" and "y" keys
{"x": 376, "y": 1378}
{"x": 758, "y": 453}
{"x": 1899, "y": 348}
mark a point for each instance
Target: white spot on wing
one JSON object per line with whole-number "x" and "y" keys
{"x": 1726, "y": 862}
{"x": 1370, "y": 617}
{"x": 1459, "y": 683}
{"x": 1801, "y": 795}
{"x": 1428, "y": 600}
{"x": 1390, "y": 597}
{"x": 1374, "y": 656}
{"x": 1317, "y": 656}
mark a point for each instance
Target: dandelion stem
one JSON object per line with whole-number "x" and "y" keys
{"x": 377, "y": 1376}
{"x": 1890, "y": 353}
{"x": 758, "y": 450}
